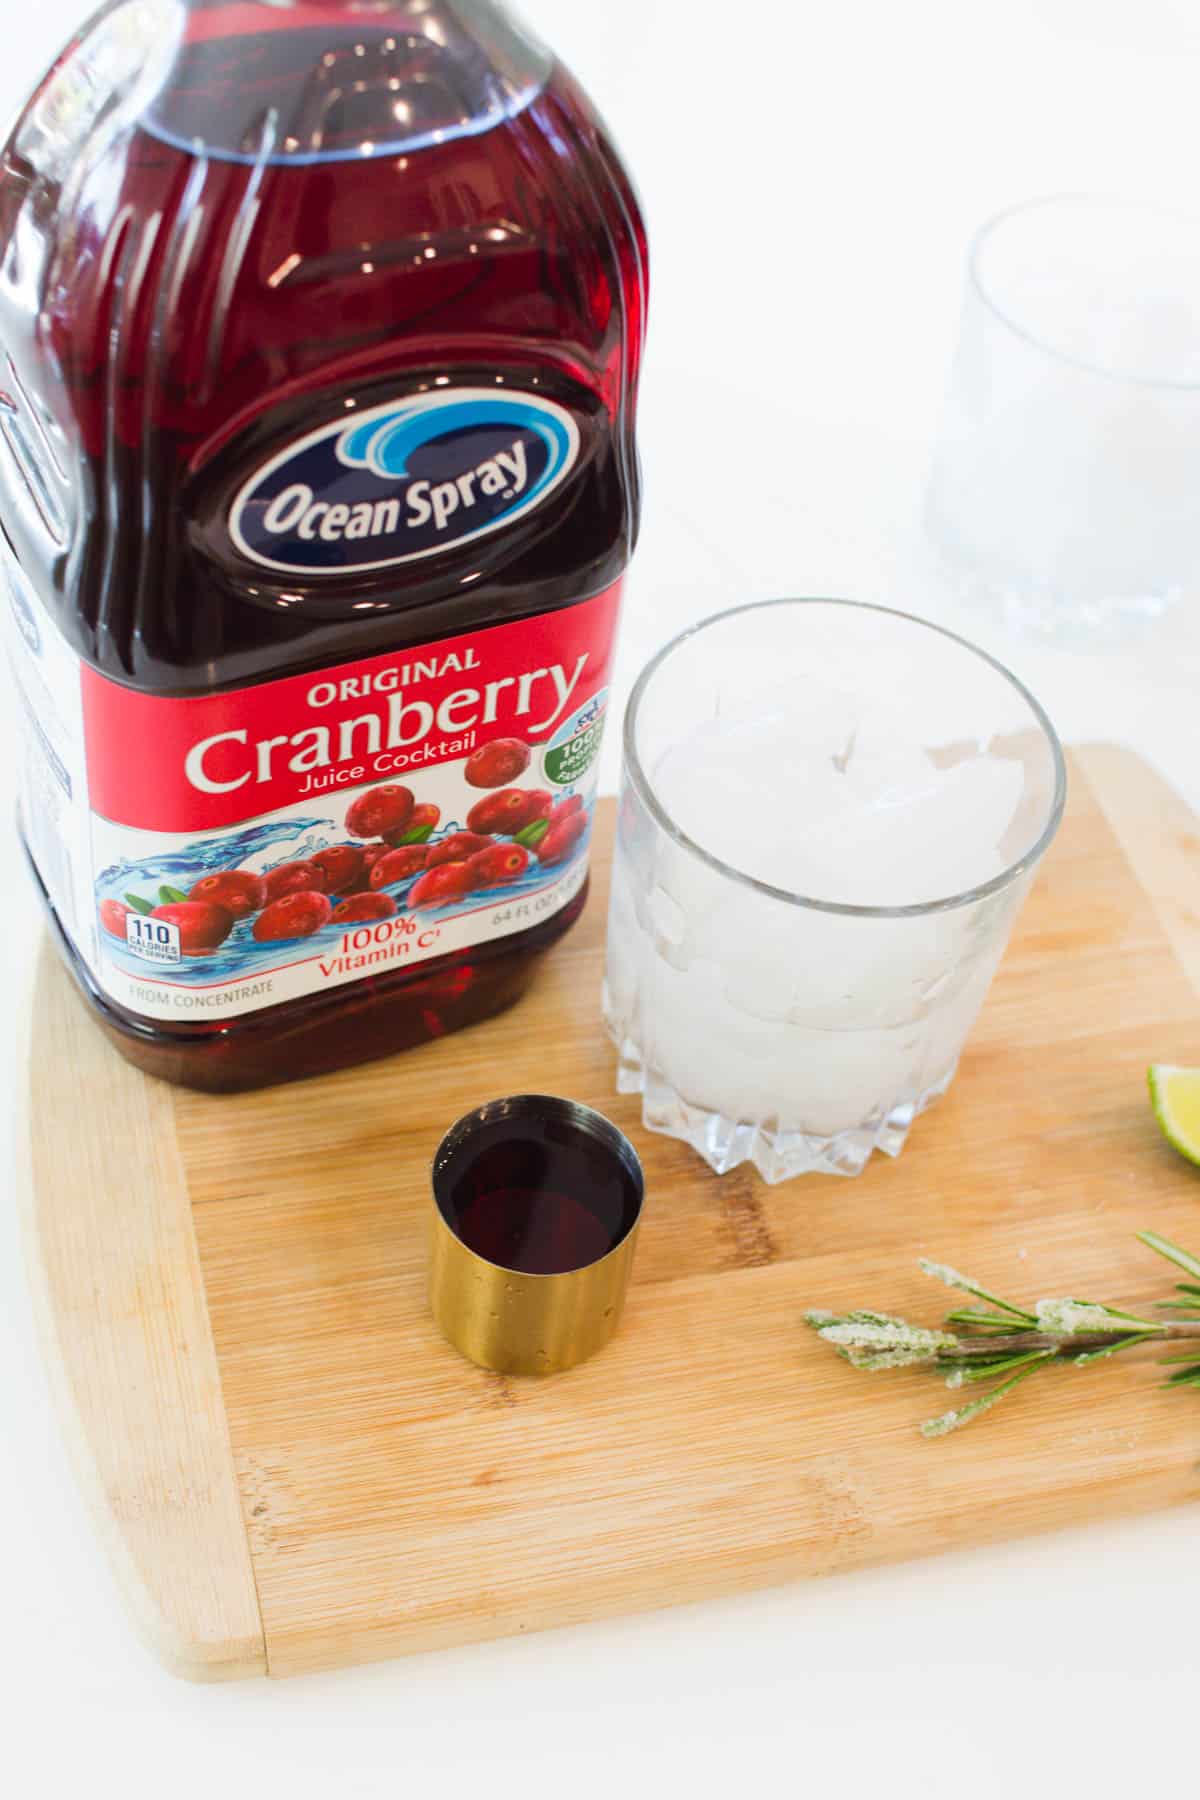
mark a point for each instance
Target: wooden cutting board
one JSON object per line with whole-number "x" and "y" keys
{"x": 293, "y": 1471}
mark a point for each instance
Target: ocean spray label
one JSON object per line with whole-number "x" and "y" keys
{"x": 234, "y": 866}
{"x": 403, "y": 481}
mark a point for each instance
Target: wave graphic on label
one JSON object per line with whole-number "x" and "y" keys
{"x": 402, "y": 481}
{"x": 260, "y": 848}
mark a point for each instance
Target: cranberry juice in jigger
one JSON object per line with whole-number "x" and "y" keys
{"x": 320, "y": 328}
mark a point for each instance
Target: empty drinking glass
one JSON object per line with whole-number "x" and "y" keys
{"x": 830, "y": 815}
{"x": 1064, "y": 488}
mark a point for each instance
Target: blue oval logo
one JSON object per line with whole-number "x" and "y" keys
{"x": 402, "y": 481}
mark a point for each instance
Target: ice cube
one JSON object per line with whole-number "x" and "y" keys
{"x": 840, "y": 808}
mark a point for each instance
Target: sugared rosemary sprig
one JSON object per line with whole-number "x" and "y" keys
{"x": 1006, "y": 1344}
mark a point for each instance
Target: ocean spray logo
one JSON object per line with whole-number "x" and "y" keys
{"x": 403, "y": 481}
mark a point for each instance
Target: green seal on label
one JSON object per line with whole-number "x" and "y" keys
{"x": 565, "y": 763}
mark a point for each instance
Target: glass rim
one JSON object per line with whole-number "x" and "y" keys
{"x": 1067, "y": 201}
{"x": 640, "y": 781}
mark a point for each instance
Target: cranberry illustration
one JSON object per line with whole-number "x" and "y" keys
{"x": 457, "y": 848}
{"x": 438, "y": 887}
{"x": 370, "y": 854}
{"x": 562, "y": 838}
{"x": 382, "y": 809}
{"x": 398, "y": 865}
{"x": 237, "y": 890}
{"x": 423, "y": 820}
{"x": 293, "y": 878}
{"x": 341, "y": 865}
{"x": 293, "y": 916}
{"x": 202, "y": 925}
{"x": 113, "y": 914}
{"x": 499, "y": 864}
{"x": 509, "y": 810}
{"x": 363, "y": 909}
{"x": 494, "y": 765}
{"x": 566, "y": 808}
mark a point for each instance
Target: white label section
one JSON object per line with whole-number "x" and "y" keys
{"x": 52, "y": 771}
{"x": 372, "y": 948}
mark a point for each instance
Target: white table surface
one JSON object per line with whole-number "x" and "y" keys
{"x": 810, "y": 174}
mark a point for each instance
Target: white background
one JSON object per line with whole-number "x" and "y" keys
{"x": 811, "y": 174}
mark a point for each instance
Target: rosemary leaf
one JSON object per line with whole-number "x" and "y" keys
{"x": 952, "y": 1278}
{"x": 872, "y": 1331}
{"x": 1091, "y": 1356}
{"x": 886, "y": 1359}
{"x": 1003, "y": 1366}
{"x": 951, "y": 1421}
{"x": 983, "y": 1321}
{"x": 1067, "y": 1318}
{"x": 1172, "y": 1252}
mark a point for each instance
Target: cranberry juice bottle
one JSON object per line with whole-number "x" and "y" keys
{"x": 319, "y": 334}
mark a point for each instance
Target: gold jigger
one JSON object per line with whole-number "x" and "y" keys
{"x": 536, "y": 1209}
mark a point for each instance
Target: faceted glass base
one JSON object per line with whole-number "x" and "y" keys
{"x": 777, "y": 1154}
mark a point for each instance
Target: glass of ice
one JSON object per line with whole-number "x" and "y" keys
{"x": 830, "y": 815}
{"x": 1063, "y": 491}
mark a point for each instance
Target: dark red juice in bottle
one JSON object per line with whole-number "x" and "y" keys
{"x": 319, "y": 336}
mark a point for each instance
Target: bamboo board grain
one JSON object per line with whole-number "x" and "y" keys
{"x": 293, "y": 1470}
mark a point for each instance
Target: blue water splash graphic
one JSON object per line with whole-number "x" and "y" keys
{"x": 384, "y": 446}
{"x": 260, "y": 848}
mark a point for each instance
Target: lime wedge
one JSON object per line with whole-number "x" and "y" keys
{"x": 1175, "y": 1097}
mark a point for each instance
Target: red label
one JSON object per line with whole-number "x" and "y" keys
{"x": 189, "y": 765}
